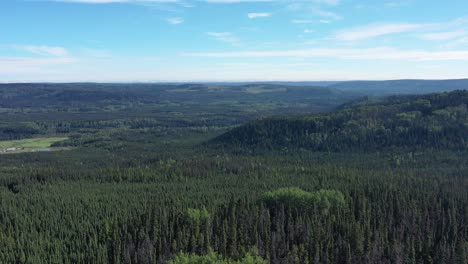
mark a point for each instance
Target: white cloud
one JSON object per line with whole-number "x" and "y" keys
{"x": 175, "y": 20}
{"x": 310, "y": 42}
{"x": 187, "y": 4}
{"x": 43, "y": 50}
{"x": 27, "y": 64}
{"x": 301, "y": 5}
{"x": 394, "y": 4}
{"x": 457, "y": 42}
{"x": 443, "y": 35}
{"x": 235, "y": 1}
{"x": 224, "y": 36}
{"x": 308, "y": 30}
{"x": 380, "y": 53}
{"x": 115, "y": 1}
{"x": 93, "y": 1}
{"x": 330, "y": 2}
{"x": 376, "y": 30}
{"x": 302, "y": 21}
{"x": 445, "y": 30}
{"x": 293, "y": 2}
{"x": 327, "y": 14}
{"x": 257, "y": 15}
{"x": 95, "y": 53}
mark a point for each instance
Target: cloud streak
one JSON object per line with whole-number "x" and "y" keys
{"x": 443, "y": 35}
{"x": 175, "y": 20}
{"x": 115, "y": 1}
{"x": 302, "y": 21}
{"x": 258, "y": 15}
{"x": 327, "y": 14}
{"x": 43, "y": 50}
{"x": 224, "y": 36}
{"x": 328, "y": 2}
{"x": 380, "y": 53}
{"x": 235, "y": 1}
{"x": 10, "y": 65}
{"x": 376, "y": 30}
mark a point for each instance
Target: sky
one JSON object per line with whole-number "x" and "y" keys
{"x": 232, "y": 40}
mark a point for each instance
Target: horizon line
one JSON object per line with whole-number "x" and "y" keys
{"x": 227, "y": 81}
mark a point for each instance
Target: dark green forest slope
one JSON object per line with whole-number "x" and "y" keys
{"x": 435, "y": 121}
{"x": 401, "y": 86}
{"x": 136, "y": 181}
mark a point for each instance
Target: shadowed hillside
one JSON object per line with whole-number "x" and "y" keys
{"x": 402, "y": 86}
{"x": 435, "y": 120}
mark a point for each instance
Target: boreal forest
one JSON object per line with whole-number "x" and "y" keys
{"x": 238, "y": 173}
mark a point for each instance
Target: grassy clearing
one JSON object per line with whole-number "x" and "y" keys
{"x": 31, "y": 143}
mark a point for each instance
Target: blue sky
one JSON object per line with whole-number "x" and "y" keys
{"x": 232, "y": 40}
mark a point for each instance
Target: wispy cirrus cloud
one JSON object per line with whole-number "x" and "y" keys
{"x": 43, "y": 50}
{"x": 328, "y": 2}
{"x": 224, "y": 36}
{"x": 326, "y": 14}
{"x": 302, "y": 21}
{"x": 292, "y": 2}
{"x": 258, "y": 15}
{"x": 437, "y": 36}
{"x": 91, "y": 1}
{"x": 380, "y": 53}
{"x": 394, "y": 4}
{"x": 185, "y": 3}
{"x": 114, "y": 1}
{"x": 457, "y": 42}
{"x": 95, "y": 53}
{"x": 10, "y": 65}
{"x": 235, "y": 1}
{"x": 376, "y": 30}
{"x": 427, "y": 31}
{"x": 175, "y": 20}
{"x": 299, "y": 5}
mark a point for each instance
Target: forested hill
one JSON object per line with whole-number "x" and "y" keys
{"x": 394, "y": 87}
{"x": 435, "y": 120}
{"x": 89, "y": 97}
{"x": 37, "y": 109}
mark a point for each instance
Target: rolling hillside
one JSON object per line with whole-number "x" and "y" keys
{"x": 393, "y": 87}
{"x": 435, "y": 120}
